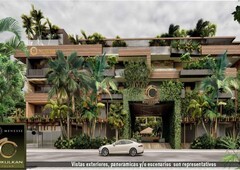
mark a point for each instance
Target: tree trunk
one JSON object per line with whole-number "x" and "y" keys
{"x": 68, "y": 123}
{"x": 116, "y": 134}
{"x": 203, "y": 124}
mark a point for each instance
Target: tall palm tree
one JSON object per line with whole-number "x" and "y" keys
{"x": 28, "y": 25}
{"x": 96, "y": 66}
{"x": 219, "y": 83}
{"x": 39, "y": 28}
{"x": 67, "y": 79}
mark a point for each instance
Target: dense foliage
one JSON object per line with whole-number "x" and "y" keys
{"x": 11, "y": 84}
{"x": 136, "y": 74}
{"x": 81, "y": 142}
{"x": 208, "y": 142}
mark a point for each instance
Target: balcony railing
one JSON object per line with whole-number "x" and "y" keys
{"x": 37, "y": 72}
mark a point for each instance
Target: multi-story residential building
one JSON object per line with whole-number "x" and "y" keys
{"x": 165, "y": 64}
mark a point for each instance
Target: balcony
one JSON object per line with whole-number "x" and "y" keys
{"x": 36, "y": 98}
{"x": 195, "y": 73}
{"x": 37, "y": 73}
{"x": 220, "y": 49}
{"x": 168, "y": 73}
{"x": 50, "y": 50}
{"x": 230, "y": 72}
{"x": 43, "y": 42}
{"x": 159, "y": 50}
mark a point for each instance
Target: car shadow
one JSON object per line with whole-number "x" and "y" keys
{"x": 115, "y": 155}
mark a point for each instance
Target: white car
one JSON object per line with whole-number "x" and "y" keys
{"x": 123, "y": 146}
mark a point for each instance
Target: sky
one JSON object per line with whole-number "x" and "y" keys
{"x": 128, "y": 19}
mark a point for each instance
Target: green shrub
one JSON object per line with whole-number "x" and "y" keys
{"x": 203, "y": 142}
{"x": 81, "y": 141}
{"x": 62, "y": 144}
{"x": 227, "y": 142}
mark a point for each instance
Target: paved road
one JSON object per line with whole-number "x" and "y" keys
{"x": 149, "y": 155}
{"x": 60, "y": 156}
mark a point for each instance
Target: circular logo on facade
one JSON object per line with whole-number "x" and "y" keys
{"x": 33, "y": 50}
{"x": 152, "y": 95}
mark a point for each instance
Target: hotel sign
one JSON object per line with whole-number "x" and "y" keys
{"x": 12, "y": 146}
{"x": 34, "y": 51}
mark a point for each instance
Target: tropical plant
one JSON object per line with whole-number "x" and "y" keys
{"x": 58, "y": 110}
{"x": 199, "y": 109}
{"x": 116, "y": 117}
{"x": 96, "y": 66}
{"x": 112, "y": 60}
{"x": 10, "y": 46}
{"x": 203, "y": 29}
{"x": 136, "y": 74}
{"x": 118, "y": 42}
{"x": 95, "y": 38}
{"x": 203, "y": 142}
{"x": 74, "y": 40}
{"x": 236, "y": 14}
{"x": 38, "y": 27}
{"x": 157, "y": 41}
{"x": 67, "y": 78}
{"x": 11, "y": 84}
{"x": 218, "y": 83}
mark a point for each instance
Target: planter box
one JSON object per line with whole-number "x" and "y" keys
{"x": 109, "y": 72}
{"x": 196, "y": 73}
{"x": 119, "y": 72}
{"x": 181, "y": 51}
{"x": 43, "y": 42}
{"x": 160, "y": 50}
{"x": 37, "y": 72}
{"x": 114, "y": 96}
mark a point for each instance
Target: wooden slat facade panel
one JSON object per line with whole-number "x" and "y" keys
{"x": 169, "y": 74}
{"x": 231, "y": 72}
{"x": 134, "y": 52}
{"x": 36, "y": 97}
{"x": 220, "y": 49}
{"x": 49, "y": 51}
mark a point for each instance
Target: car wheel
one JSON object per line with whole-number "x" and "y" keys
{"x": 105, "y": 152}
{"x": 133, "y": 152}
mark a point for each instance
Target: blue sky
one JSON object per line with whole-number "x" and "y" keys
{"x": 127, "y": 18}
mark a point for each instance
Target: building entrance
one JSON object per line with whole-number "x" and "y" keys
{"x": 151, "y": 122}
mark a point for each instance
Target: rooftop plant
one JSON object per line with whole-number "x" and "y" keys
{"x": 38, "y": 27}
{"x": 119, "y": 43}
{"x": 95, "y": 38}
{"x": 203, "y": 29}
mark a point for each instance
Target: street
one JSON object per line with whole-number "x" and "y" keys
{"x": 54, "y": 159}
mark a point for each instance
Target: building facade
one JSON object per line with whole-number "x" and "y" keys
{"x": 165, "y": 64}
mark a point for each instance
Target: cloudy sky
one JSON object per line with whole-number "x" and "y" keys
{"x": 128, "y": 19}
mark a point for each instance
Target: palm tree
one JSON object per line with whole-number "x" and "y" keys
{"x": 14, "y": 43}
{"x": 28, "y": 25}
{"x": 58, "y": 110}
{"x": 53, "y": 30}
{"x": 199, "y": 108}
{"x": 236, "y": 14}
{"x": 11, "y": 25}
{"x": 96, "y": 66}
{"x": 116, "y": 117}
{"x": 67, "y": 78}
{"x": 218, "y": 83}
{"x": 39, "y": 28}
{"x": 203, "y": 29}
